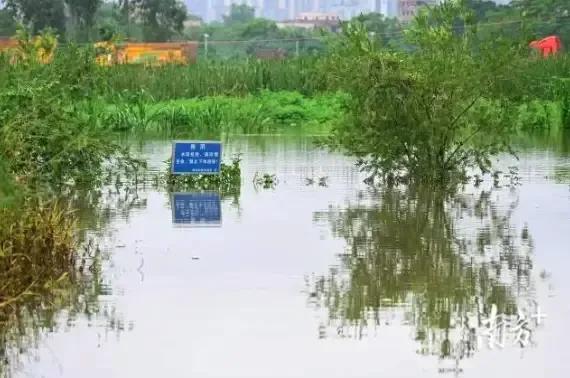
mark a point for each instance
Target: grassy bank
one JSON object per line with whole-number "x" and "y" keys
{"x": 265, "y": 112}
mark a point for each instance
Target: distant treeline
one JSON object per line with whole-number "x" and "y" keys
{"x": 167, "y": 20}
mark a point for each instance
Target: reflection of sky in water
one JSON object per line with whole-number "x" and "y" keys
{"x": 232, "y": 301}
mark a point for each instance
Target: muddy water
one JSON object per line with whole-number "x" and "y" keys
{"x": 326, "y": 278}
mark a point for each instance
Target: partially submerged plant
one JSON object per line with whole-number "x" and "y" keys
{"x": 228, "y": 181}
{"x": 134, "y": 114}
{"x": 430, "y": 113}
{"x": 321, "y": 181}
{"x": 46, "y": 139}
{"x": 265, "y": 180}
{"x": 37, "y": 246}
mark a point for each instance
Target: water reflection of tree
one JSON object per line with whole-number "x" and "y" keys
{"x": 435, "y": 258}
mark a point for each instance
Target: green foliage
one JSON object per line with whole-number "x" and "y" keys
{"x": 546, "y": 17}
{"x": 175, "y": 120}
{"x": 265, "y": 180}
{"x": 46, "y": 267}
{"x": 131, "y": 115}
{"x": 8, "y": 188}
{"x": 227, "y": 182}
{"x": 39, "y": 228}
{"x": 39, "y": 14}
{"x": 44, "y": 137}
{"x": 264, "y": 112}
{"x": 535, "y": 115}
{"x": 208, "y": 78}
{"x": 7, "y": 23}
{"x": 161, "y": 19}
{"x": 240, "y": 39}
{"x": 83, "y": 13}
{"x": 387, "y": 31}
{"x": 431, "y": 113}
{"x": 565, "y": 103}
{"x": 565, "y": 111}
{"x": 239, "y": 13}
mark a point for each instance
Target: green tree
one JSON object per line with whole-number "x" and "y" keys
{"x": 241, "y": 13}
{"x": 83, "y": 14}
{"x": 260, "y": 33}
{"x": 260, "y": 28}
{"x": 388, "y": 31}
{"x": 547, "y": 17}
{"x": 39, "y": 14}
{"x": 433, "y": 112}
{"x": 161, "y": 19}
{"x": 7, "y": 23}
{"x": 481, "y": 8}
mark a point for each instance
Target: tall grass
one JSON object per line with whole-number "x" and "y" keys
{"x": 263, "y": 112}
{"x": 44, "y": 270}
{"x": 38, "y": 247}
{"x": 208, "y": 78}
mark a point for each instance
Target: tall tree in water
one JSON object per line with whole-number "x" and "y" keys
{"x": 425, "y": 115}
{"x": 83, "y": 14}
{"x": 39, "y": 14}
{"x": 162, "y": 19}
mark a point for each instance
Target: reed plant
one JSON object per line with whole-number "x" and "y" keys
{"x": 260, "y": 113}
{"x": 209, "y": 78}
{"x": 37, "y": 247}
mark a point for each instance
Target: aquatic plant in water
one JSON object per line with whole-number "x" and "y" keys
{"x": 37, "y": 246}
{"x": 228, "y": 181}
{"x": 265, "y": 180}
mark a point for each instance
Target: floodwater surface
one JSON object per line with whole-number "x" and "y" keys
{"x": 320, "y": 275}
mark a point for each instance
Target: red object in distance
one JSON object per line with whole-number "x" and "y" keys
{"x": 548, "y": 46}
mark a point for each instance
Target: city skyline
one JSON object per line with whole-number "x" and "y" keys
{"x": 279, "y": 10}
{"x": 211, "y": 10}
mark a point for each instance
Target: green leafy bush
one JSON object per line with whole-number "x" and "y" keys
{"x": 228, "y": 181}
{"x": 433, "y": 112}
{"x": 535, "y": 115}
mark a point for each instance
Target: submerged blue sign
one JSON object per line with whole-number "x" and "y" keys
{"x": 196, "y": 157}
{"x": 200, "y": 209}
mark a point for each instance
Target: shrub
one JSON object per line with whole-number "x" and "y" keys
{"x": 431, "y": 113}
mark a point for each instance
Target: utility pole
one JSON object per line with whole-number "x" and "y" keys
{"x": 206, "y": 36}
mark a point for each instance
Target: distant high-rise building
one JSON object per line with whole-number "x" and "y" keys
{"x": 217, "y": 9}
{"x": 210, "y": 10}
{"x": 407, "y": 9}
{"x": 391, "y": 8}
{"x": 198, "y": 8}
{"x": 274, "y": 9}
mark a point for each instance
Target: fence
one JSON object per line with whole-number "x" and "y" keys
{"x": 187, "y": 52}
